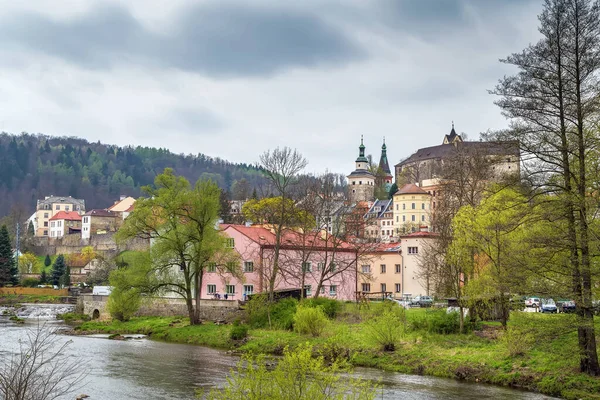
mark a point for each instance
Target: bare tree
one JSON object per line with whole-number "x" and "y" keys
{"x": 41, "y": 370}
{"x": 281, "y": 168}
{"x": 553, "y": 106}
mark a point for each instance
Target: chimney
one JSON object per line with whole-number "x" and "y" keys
{"x": 122, "y": 197}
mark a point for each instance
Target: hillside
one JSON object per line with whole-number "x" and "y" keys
{"x": 34, "y": 166}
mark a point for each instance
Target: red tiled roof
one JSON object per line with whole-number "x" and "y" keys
{"x": 67, "y": 215}
{"x": 410, "y": 188}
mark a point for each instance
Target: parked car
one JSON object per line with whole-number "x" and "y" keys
{"x": 422, "y": 301}
{"x": 549, "y": 306}
{"x": 567, "y": 306}
{"x": 533, "y": 302}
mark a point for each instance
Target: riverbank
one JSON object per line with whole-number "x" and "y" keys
{"x": 16, "y": 299}
{"x": 549, "y": 363}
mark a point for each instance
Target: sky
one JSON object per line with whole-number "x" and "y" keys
{"x": 232, "y": 79}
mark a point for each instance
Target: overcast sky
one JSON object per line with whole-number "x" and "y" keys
{"x": 233, "y": 78}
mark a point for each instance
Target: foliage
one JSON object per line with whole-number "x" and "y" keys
{"x": 98, "y": 172}
{"x": 30, "y": 282}
{"x": 43, "y": 277}
{"x": 297, "y": 376}
{"x": 388, "y": 328}
{"x": 123, "y": 303}
{"x": 73, "y": 317}
{"x": 268, "y": 210}
{"x": 238, "y": 331}
{"x": 330, "y": 307}
{"x": 65, "y": 279}
{"x": 47, "y": 261}
{"x": 281, "y": 312}
{"x": 8, "y": 268}
{"x": 127, "y": 285}
{"x": 438, "y": 321}
{"x": 181, "y": 222}
{"x": 58, "y": 270}
{"x": 29, "y": 264}
{"x": 40, "y": 369}
{"x": 310, "y": 320}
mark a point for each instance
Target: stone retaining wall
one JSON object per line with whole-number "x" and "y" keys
{"x": 210, "y": 310}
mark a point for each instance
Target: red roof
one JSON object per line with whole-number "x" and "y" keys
{"x": 131, "y": 208}
{"x": 386, "y": 247}
{"x": 410, "y": 188}
{"x": 67, "y": 215}
{"x": 265, "y": 237}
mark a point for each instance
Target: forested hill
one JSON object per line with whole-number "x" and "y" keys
{"x": 34, "y": 166}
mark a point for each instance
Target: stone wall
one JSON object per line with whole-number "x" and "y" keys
{"x": 34, "y": 291}
{"x": 72, "y": 244}
{"x": 210, "y": 310}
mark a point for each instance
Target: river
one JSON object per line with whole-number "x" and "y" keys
{"x": 148, "y": 370}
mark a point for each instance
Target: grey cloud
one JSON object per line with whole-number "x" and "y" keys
{"x": 219, "y": 41}
{"x": 192, "y": 120}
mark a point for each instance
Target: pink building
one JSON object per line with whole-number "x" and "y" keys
{"x": 315, "y": 261}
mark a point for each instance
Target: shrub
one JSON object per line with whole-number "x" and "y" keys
{"x": 70, "y": 317}
{"x": 30, "y": 282}
{"x": 387, "y": 329}
{"x": 238, "y": 332}
{"x": 517, "y": 341}
{"x": 330, "y": 307}
{"x": 282, "y": 312}
{"x": 440, "y": 321}
{"x": 310, "y": 320}
{"x": 123, "y": 303}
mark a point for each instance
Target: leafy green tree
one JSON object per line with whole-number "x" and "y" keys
{"x": 297, "y": 376}
{"x": 47, "y": 261}
{"x": 58, "y": 270}
{"x": 8, "y": 268}
{"x": 181, "y": 223}
{"x": 29, "y": 263}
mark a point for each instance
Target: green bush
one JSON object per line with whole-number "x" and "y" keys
{"x": 282, "y": 312}
{"x": 70, "y": 317}
{"x": 387, "y": 329}
{"x": 123, "y": 303}
{"x": 238, "y": 332}
{"x": 517, "y": 341}
{"x": 30, "y": 282}
{"x": 310, "y": 320}
{"x": 440, "y": 321}
{"x": 330, "y": 307}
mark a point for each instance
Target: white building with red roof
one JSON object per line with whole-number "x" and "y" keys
{"x": 64, "y": 223}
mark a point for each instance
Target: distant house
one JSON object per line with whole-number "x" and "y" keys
{"x": 96, "y": 222}
{"x": 122, "y": 205}
{"x": 80, "y": 267}
{"x": 380, "y": 220}
{"x": 65, "y": 223}
{"x": 126, "y": 213}
{"x": 49, "y": 207}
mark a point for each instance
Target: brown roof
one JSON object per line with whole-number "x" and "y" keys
{"x": 410, "y": 188}
{"x": 67, "y": 215}
{"x": 100, "y": 213}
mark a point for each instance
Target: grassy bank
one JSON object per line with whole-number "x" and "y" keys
{"x": 548, "y": 364}
{"x": 11, "y": 299}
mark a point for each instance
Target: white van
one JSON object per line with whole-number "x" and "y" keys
{"x": 101, "y": 290}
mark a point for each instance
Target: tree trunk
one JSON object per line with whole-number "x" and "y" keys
{"x": 198, "y": 287}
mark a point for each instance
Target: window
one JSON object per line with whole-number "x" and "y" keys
{"x": 382, "y": 268}
{"x": 422, "y": 206}
{"x": 52, "y": 224}
{"x": 333, "y": 290}
{"x": 382, "y": 233}
{"x": 398, "y": 288}
{"x": 398, "y": 268}
{"x": 211, "y": 267}
{"x": 322, "y": 290}
{"x": 413, "y": 206}
{"x": 354, "y": 182}
{"x": 366, "y": 269}
{"x": 85, "y": 220}
{"x": 45, "y": 224}
{"x": 307, "y": 290}
{"x": 66, "y": 208}
{"x": 413, "y": 218}
{"x": 320, "y": 266}
{"x": 366, "y": 287}
{"x": 230, "y": 243}
{"x": 58, "y": 207}
{"x": 422, "y": 218}
{"x": 383, "y": 287}
{"x": 396, "y": 207}
{"x": 45, "y": 233}
{"x": 332, "y": 267}
{"x": 45, "y": 215}
{"x": 211, "y": 289}
{"x": 403, "y": 206}
{"x": 248, "y": 289}
{"x": 413, "y": 250}
{"x": 248, "y": 266}
{"x": 230, "y": 289}
{"x": 396, "y": 218}
{"x": 307, "y": 266}
{"x": 360, "y": 182}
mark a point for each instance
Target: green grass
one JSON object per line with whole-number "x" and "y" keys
{"x": 28, "y": 298}
{"x": 41, "y": 260}
{"x": 549, "y": 366}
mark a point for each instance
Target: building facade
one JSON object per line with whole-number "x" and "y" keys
{"x": 64, "y": 223}
{"x": 361, "y": 182}
{"x": 412, "y": 209}
{"x": 49, "y": 207}
{"x": 96, "y": 222}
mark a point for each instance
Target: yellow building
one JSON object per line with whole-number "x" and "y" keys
{"x": 412, "y": 209}
{"x": 52, "y": 205}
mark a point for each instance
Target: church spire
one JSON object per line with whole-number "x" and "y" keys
{"x": 383, "y": 161}
{"x": 361, "y": 151}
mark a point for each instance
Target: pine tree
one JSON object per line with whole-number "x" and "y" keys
{"x": 43, "y": 277}
{"x": 393, "y": 189}
{"x": 8, "y": 273}
{"x": 30, "y": 230}
{"x": 65, "y": 279}
{"x": 47, "y": 261}
{"x": 58, "y": 270}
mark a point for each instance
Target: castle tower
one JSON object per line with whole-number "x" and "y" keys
{"x": 361, "y": 182}
{"x": 384, "y": 167}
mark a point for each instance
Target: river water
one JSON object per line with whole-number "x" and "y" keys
{"x": 148, "y": 370}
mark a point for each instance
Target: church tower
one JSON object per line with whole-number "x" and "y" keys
{"x": 384, "y": 167}
{"x": 361, "y": 182}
